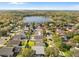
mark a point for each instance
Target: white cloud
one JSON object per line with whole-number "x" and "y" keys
{"x": 16, "y": 3}
{"x": 74, "y": 7}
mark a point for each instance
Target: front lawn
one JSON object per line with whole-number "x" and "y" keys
{"x": 68, "y": 53}
{"x": 30, "y": 43}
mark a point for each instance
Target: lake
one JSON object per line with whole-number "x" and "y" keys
{"x": 36, "y": 19}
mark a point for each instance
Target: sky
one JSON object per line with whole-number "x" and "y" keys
{"x": 39, "y": 5}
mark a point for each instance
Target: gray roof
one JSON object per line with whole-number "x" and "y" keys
{"x": 13, "y": 43}
{"x": 20, "y": 36}
{"x": 38, "y": 49}
{"x": 16, "y": 49}
{"x": 76, "y": 51}
{"x": 7, "y": 51}
{"x": 23, "y": 35}
{"x": 40, "y": 44}
{"x": 17, "y": 37}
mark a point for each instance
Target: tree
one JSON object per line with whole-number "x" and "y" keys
{"x": 44, "y": 32}
{"x": 27, "y": 52}
{"x": 51, "y": 51}
{"x": 33, "y": 24}
{"x": 70, "y": 34}
{"x": 44, "y": 39}
{"x": 57, "y": 40}
{"x": 77, "y": 26}
{"x": 65, "y": 47}
{"x": 28, "y": 35}
{"x": 76, "y": 39}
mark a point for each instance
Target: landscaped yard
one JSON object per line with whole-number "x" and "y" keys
{"x": 30, "y": 43}
{"x": 68, "y": 53}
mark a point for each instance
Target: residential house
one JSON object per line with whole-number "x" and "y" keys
{"x": 75, "y": 51}
{"x": 14, "y": 43}
{"x": 6, "y": 51}
{"x": 16, "y": 50}
{"x": 17, "y": 37}
{"x": 23, "y": 36}
{"x": 39, "y": 50}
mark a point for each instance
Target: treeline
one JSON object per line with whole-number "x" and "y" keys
{"x": 12, "y": 18}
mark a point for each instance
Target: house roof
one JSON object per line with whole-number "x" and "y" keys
{"x": 38, "y": 49}
{"x": 76, "y": 51}
{"x": 40, "y": 44}
{"x": 17, "y": 37}
{"x": 7, "y": 51}
{"x": 23, "y": 36}
{"x": 13, "y": 42}
{"x": 16, "y": 49}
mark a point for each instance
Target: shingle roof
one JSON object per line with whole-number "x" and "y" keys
{"x": 76, "y": 52}
{"x": 16, "y": 49}
{"x": 38, "y": 49}
{"x": 17, "y": 37}
{"x": 7, "y": 51}
{"x": 13, "y": 43}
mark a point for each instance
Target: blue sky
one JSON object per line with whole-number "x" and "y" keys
{"x": 39, "y": 5}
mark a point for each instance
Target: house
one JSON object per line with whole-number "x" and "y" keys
{"x": 27, "y": 25}
{"x": 64, "y": 38}
{"x": 38, "y": 38}
{"x": 23, "y": 36}
{"x": 75, "y": 51}
{"x": 39, "y": 50}
{"x": 60, "y": 31}
{"x": 17, "y": 37}
{"x": 14, "y": 43}
{"x": 16, "y": 50}
{"x": 49, "y": 37}
{"x": 40, "y": 44}
{"x": 20, "y": 36}
{"x": 6, "y": 51}
{"x": 26, "y": 28}
{"x": 32, "y": 38}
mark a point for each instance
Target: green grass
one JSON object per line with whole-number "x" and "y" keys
{"x": 68, "y": 53}
{"x": 30, "y": 43}
{"x": 19, "y": 56}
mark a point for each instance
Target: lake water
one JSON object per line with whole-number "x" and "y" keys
{"x": 36, "y": 19}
